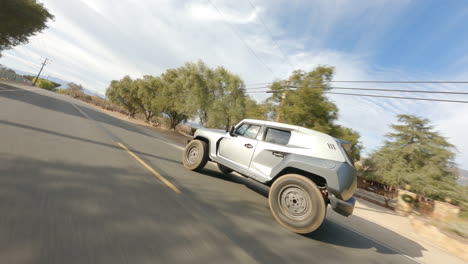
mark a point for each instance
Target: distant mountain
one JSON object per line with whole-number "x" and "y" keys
{"x": 462, "y": 177}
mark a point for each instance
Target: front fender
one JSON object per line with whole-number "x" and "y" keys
{"x": 211, "y": 136}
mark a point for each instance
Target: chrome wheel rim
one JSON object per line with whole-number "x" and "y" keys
{"x": 294, "y": 202}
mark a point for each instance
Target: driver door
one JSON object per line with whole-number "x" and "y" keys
{"x": 239, "y": 148}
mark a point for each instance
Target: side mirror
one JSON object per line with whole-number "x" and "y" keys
{"x": 231, "y": 131}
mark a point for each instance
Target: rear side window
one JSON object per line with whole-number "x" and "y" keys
{"x": 249, "y": 131}
{"x": 277, "y": 136}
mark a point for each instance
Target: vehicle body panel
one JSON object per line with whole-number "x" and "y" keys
{"x": 237, "y": 149}
{"x": 307, "y": 150}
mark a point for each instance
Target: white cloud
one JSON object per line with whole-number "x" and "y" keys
{"x": 95, "y": 41}
{"x": 210, "y": 13}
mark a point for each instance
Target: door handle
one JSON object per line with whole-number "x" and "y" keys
{"x": 278, "y": 154}
{"x": 248, "y": 146}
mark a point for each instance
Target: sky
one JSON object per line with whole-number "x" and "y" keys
{"x": 92, "y": 42}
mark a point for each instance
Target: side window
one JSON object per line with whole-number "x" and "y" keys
{"x": 277, "y": 136}
{"x": 252, "y": 131}
{"x": 242, "y": 129}
{"x": 249, "y": 131}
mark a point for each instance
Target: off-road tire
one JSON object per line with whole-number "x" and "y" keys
{"x": 297, "y": 203}
{"x": 224, "y": 169}
{"x": 195, "y": 155}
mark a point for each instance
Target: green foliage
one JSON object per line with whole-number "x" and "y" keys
{"x": 19, "y": 20}
{"x": 125, "y": 93}
{"x": 416, "y": 155}
{"x": 308, "y": 106}
{"x": 43, "y": 83}
{"x": 173, "y": 98}
{"x": 349, "y": 135}
{"x": 61, "y": 91}
{"x": 148, "y": 89}
{"x": 254, "y": 110}
{"x": 215, "y": 96}
{"x": 229, "y": 106}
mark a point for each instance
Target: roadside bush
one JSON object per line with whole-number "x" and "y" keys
{"x": 162, "y": 121}
{"x": 188, "y": 130}
{"x": 60, "y": 91}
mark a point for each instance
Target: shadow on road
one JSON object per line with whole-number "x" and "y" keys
{"x": 236, "y": 178}
{"x": 59, "y": 212}
{"x": 74, "y": 213}
{"x": 49, "y": 102}
{"x": 335, "y": 233}
{"x": 85, "y": 140}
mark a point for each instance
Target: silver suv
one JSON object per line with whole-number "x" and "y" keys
{"x": 305, "y": 169}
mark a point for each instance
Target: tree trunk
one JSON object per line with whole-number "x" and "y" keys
{"x": 131, "y": 115}
{"x": 148, "y": 116}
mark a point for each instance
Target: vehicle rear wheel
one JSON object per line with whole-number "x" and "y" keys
{"x": 195, "y": 155}
{"x": 297, "y": 203}
{"x": 224, "y": 169}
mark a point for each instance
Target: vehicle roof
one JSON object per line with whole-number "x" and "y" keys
{"x": 271, "y": 123}
{"x": 283, "y": 125}
{"x": 292, "y": 127}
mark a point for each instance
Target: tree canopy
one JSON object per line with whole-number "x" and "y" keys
{"x": 124, "y": 92}
{"x": 19, "y": 20}
{"x": 416, "y": 155}
{"x": 215, "y": 96}
{"x": 301, "y": 101}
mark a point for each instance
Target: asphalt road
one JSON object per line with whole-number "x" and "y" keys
{"x": 69, "y": 193}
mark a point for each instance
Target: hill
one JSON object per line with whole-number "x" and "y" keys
{"x": 463, "y": 177}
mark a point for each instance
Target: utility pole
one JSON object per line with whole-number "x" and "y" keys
{"x": 283, "y": 96}
{"x": 39, "y": 74}
{"x": 278, "y": 112}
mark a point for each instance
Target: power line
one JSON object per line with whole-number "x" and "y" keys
{"x": 399, "y": 97}
{"x": 400, "y": 81}
{"x": 371, "y": 89}
{"x": 257, "y": 92}
{"x": 256, "y": 88}
{"x": 396, "y": 90}
{"x": 241, "y": 39}
{"x": 381, "y": 96}
{"x": 440, "y": 82}
{"x": 254, "y": 84}
{"x": 285, "y": 58}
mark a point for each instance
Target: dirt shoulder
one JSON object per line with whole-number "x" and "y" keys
{"x": 172, "y": 135}
{"x": 439, "y": 248}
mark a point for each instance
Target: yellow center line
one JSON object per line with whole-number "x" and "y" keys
{"x": 164, "y": 180}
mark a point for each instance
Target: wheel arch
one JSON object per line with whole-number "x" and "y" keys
{"x": 317, "y": 179}
{"x": 204, "y": 139}
{"x": 208, "y": 143}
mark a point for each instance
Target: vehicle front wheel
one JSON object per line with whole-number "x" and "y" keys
{"x": 297, "y": 203}
{"x": 195, "y": 155}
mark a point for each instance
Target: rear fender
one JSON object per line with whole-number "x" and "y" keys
{"x": 340, "y": 177}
